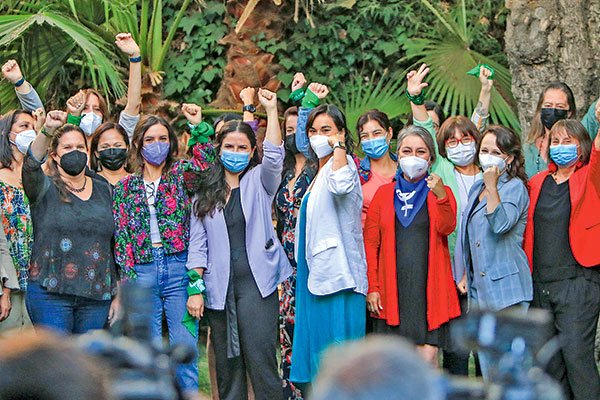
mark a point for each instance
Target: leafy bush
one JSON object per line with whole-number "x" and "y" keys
{"x": 194, "y": 66}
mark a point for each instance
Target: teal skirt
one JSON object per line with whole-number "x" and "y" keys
{"x": 321, "y": 321}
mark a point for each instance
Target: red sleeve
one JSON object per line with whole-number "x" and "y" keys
{"x": 446, "y": 210}
{"x": 372, "y": 237}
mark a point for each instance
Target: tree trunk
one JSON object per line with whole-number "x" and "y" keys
{"x": 553, "y": 40}
{"x": 247, "y": 64}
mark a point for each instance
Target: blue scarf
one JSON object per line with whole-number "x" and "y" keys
{"x": 409, "y": 198}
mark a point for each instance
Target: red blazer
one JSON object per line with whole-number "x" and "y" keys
{"x": 584, "y": 226}
{"x": 380, "y": 245}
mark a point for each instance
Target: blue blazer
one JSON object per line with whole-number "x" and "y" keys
{"x": 493, "y": 246}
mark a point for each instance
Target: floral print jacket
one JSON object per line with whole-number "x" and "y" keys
{"x": 173, "y": 206}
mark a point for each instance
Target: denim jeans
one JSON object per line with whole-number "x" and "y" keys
{"x": 65, "y": 313}
{"x": 166, "y": 278}
{"x": 486, "y": 360}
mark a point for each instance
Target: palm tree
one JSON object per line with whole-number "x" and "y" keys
{"x": 449, "y": 54}
{"x": 47, "y": 35}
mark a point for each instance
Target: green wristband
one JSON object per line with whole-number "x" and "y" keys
{"x": 196, "y": 284}
{"x": 417, "y": 100}
{"x": 200, "y": 133}
{"x": 310, "y": 99}
{"x": 74, "y": 120}
{"x": 296, "y": 96}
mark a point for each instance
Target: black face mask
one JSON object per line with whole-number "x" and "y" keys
{"x": 112, "y": 158}
{"x": 73, "y": 162}
{"x": 290, "y": 143}
{"x": 552, "y": 115}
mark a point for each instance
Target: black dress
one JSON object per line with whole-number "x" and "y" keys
{"x": 244, "y": 335}
{"x": 412, "y": 260}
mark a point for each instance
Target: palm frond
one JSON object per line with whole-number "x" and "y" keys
{"x": 384, "y": 93}
{"x": 47, "y": 40}
{"x": 452, "y": 88}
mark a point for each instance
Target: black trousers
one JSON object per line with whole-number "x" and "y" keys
{"x": 575, "y": 304}
{"x": 257, "y": 328}
{"x": 454, "y": 361}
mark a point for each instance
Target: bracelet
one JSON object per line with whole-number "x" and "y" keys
{"x": 417, "y": 100}
{"x": 20, "y": 82}
{"x": 135, "y": 59}
{"x": 45, "y": 132}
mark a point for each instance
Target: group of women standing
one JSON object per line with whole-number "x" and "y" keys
{"x": 407, "y": 240}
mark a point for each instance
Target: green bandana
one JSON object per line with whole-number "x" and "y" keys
{"x": 310, "y": 99}
{"x": 200, "y": 133}
{"x": 296, "y": 96}
{"x": 195, "y": 287}
{"x": 475, "y": 71}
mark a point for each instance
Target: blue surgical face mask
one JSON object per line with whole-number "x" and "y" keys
{"x": 375, "y": 148}
{"x": 564, "y": 155}
{"x": 235, "y": 161}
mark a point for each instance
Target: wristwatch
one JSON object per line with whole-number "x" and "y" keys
{"x": 340, "y": 145}
{"x": 249, "y": 108}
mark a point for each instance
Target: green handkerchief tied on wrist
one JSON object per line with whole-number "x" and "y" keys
{"x": 200, "y": 133}
{"x": 195, "y": 287}
{"x": 310, "y": 99}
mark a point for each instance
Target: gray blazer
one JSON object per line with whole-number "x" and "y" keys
{"x": 493, "y": 246}
{"x": 209, "y": 244}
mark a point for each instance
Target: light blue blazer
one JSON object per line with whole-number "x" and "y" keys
{"x": 493, "y": 246}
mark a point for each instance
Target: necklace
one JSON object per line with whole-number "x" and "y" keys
{"x": 81, "y": 189}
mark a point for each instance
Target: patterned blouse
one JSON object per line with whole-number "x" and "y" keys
{"x": 173, "y": 201}
{"x": 16, "y": 221}
{"x": 73, "y": 252}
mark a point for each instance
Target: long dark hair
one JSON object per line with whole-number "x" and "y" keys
{"x": 339, "y": 119}
{"x": 54, "y": 174}
{"x": 212, "y": 189}
{"x": 94, "y": 162}
{"x": 146, "y": 122}
{"x": 6, "y": 150}
{"x": 509, "y": 143}
{"x": 537, "y": 128}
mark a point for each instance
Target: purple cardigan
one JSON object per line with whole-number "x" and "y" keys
{"x": 209, "y": 246}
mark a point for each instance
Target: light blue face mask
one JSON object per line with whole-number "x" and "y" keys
{"x": 564, "y": 155}
{"x": 235, "y": 161}
{"x": 375, "y": 148}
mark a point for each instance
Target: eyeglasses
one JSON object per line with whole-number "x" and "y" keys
{"x": 453, "y": 142}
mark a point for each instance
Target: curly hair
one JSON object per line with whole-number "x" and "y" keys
{"x": 509, "y": 143}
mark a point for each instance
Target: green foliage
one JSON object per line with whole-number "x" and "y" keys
{"x": 386, "y": 38}
{"x": 47, "y": 35}
{"x": 449, "y": 54}
{"x": 194, "y": 66}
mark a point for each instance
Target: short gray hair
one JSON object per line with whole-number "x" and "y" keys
{"x": 379, "y": 367}
{"x": 413, "y": 130}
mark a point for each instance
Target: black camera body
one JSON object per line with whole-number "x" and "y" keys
{"x": 140, "y": 368}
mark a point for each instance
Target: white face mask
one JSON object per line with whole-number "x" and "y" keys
{"x": 414, "y": 167}
{"x": 320, "y": 145}
{"x": 487, "y": 160}
{"x": 461, "y": 155}
{"x": 24, "y": 139}
{"x": 90, "y": 122}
